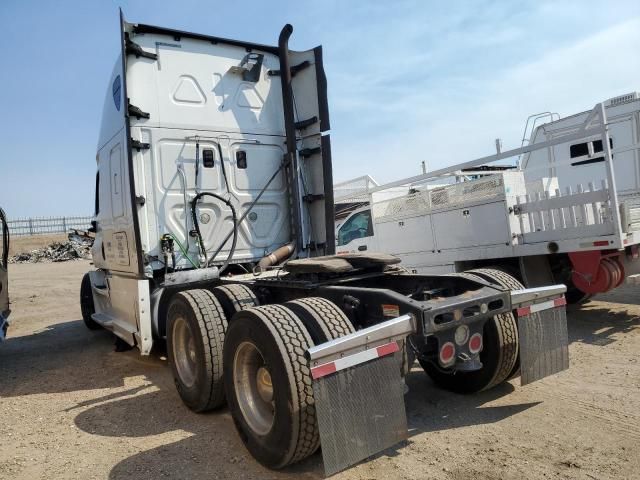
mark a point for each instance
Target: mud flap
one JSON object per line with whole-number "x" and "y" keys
{"x": 359, "y": 406}
{"x": 544, "y": 342}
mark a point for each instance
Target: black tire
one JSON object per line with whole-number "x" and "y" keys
{"x": 197, "y": 315}
{"x": 281, "y": 340}
{"x": 505, "y": 279}
{"x": 235, "y": 297}
{"x": 87, "y": 306}
{"x": 323, "y": 319}
{"x": 499, "y": 355}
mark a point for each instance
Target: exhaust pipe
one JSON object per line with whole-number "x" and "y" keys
{"x": 275, "y": 257}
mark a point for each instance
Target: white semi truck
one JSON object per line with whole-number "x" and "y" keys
{"x": 214, "y": 231}
{"x": 566, "y": 209}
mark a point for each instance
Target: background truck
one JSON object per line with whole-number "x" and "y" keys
{"x": 4, "y": 276}
{"x": 214, "y": 231}
{"x": 566, "y": 210}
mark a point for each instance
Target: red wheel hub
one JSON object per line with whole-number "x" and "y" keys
{"x": 593, "y": 273}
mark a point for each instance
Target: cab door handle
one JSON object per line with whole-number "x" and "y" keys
{"x": 362, "y": 248}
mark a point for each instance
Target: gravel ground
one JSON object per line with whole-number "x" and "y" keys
{"x": 74, "y": 408}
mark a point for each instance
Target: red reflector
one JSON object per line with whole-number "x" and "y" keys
{"x": 387, "y": 349}
{"x": 524, "y": 311}
{"x": 601, "y": 243}
{"x": 558, "y": 302}
{"x": 323, "y": 370}
{"x": 475, "y": 343}
{"x": 447, "y": 352}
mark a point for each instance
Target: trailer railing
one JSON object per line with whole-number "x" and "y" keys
{"x": 47, "y": 225}
{"x": 593, "y": 209}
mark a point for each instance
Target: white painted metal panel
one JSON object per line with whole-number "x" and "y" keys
{"x": 471, "y": 226}
{"x": 191, "y": 85}
{"x": 408, "y": 235}
{"x": 265, "y": 228}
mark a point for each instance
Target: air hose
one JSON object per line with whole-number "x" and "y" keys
{"x": 196, "y": 224}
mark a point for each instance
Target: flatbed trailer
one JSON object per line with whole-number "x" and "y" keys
{"x": 215, "y": 234}
{"x": 566, "y": 209}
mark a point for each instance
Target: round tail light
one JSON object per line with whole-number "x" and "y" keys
{"x": 475, "y": 343}
{"x": 447, "y": 353}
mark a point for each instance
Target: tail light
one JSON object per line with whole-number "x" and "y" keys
{"x": 447, "y": 353}
{"x": 475, "y": 343}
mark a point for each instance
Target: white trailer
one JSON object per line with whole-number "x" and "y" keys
{"x": 567, "y": 209}
{"x": 215, "y": 232}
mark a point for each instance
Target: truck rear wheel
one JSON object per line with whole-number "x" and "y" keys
{"x": 87, "y": 306}
{"x": 323, "y": 319}
{"x": 235, "y": 297}
{"x": 499, "y": 355}
{"x": 196, "y": 327}
{"x": 268, "y": 385}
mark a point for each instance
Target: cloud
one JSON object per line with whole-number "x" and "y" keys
{"x": 446, "y": 102}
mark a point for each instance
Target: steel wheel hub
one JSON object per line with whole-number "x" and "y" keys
{"x": 253, "y": 388}
{"x": 184, "y": 352}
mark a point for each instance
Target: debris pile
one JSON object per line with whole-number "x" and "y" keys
{"x": 55, "y": 252}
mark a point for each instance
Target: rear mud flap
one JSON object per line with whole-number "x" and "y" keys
{"x": 544, "y": 342}
{"x": 359, "y": 406}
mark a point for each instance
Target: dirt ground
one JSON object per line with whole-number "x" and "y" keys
{"x": 74, "y": 408}
{"x": 32, "y": 242}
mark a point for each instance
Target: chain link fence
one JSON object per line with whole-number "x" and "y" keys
{"x": 47, "y": 225}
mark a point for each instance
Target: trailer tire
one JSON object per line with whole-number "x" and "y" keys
{"x": 268, "y": 385}
{"x": 196, "y": 326}
{"x": 499, "y": 356}
{"x": 87, "y": 307}
{"x": 323, "y": 319}
{"x": 235, "y": 297}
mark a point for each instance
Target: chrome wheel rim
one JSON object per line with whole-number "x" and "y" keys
{"x": 184, "y": 352}
{"x": 253, "y": 388}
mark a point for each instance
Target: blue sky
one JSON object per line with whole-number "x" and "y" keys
{"x": 408, "y": 80}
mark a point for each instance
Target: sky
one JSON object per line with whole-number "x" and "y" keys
{"x": 409, "y": 81}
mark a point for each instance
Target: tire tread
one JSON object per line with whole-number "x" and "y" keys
{"x": 213, "y": 325}
{"x": 236, "y": 296}
{"x": 295, "y": 340}
{"x": 331, "y": 320}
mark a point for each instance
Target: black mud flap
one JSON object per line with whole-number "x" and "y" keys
{"x": 544, "y": 342}
{"x": 359, "y": 405}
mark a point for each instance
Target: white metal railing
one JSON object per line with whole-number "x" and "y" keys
{"x": 544, "y": 212}
{"x": 554, "y": 215}
{"x": 47, "y": 225}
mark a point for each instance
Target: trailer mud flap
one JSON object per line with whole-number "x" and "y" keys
{"x": 359, "y": 406}
{"x": 544, "y": 342}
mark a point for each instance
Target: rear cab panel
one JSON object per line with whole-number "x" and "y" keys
{"x": 186, "y": 113}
